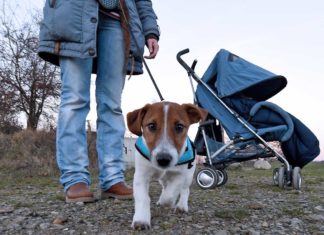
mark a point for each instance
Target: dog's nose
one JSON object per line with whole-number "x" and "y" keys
{"x": 163, "y": 159}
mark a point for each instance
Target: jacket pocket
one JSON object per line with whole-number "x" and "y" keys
{"x": 52, "y": 3}
{"x": 63, "y": 20}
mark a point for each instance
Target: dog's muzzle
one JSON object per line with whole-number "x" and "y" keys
{"x": 163, "y": 159}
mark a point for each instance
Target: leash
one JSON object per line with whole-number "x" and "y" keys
{"x": 142, "y": 57}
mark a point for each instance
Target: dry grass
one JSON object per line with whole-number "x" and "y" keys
{"x": 31, "y": 153}
{"x": 28, "y": 152}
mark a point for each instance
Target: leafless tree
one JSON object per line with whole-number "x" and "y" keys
{"x": 8, "y": 118}
{"x": 32, "y": 83}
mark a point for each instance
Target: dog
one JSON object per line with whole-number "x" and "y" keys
{"x": 163, "y": 151}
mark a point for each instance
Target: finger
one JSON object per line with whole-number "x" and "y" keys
{"x": 150, "y": 46}
{"x": 154, "y": 49}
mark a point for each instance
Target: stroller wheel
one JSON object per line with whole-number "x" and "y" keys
{"x": 296, "y": 178}
{"x": 207, "y": 178}
{"x": 275, "y": 176}
{"x": 282, "y": 181}
{"x": 222, "y": 177}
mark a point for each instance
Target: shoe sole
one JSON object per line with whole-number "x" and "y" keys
{"x": 80, "y": 199}
{"x": 116, "y": 196}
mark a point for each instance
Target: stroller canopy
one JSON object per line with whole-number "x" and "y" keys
{"x": 232, "y": 75}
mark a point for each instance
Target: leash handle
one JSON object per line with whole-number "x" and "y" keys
{"x": 142, "y": 57}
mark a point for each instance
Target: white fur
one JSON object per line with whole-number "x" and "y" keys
{"x": 165, "y": 145}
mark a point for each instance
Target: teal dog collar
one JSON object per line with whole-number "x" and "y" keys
{"x": 186, "y": 158}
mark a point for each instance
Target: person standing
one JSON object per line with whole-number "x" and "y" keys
{"x": 82, "y": 37}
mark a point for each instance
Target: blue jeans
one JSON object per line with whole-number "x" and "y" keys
{"x": 71, "y": 140}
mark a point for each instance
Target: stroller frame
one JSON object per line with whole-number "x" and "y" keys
{"x": 212, "y": 175}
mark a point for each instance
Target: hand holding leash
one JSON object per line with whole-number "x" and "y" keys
{"x": 153, "y": 46}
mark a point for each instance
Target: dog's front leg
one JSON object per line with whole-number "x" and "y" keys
{"x": 170, "y": 191}
{"x": 182, "y": 205}
{"x": 142, "y": 216}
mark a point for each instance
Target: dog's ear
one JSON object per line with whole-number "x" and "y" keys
{"x": 195, "y": 113}
{"x": 135, "y": 118}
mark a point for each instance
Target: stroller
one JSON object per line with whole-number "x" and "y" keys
{"x": 234, "y": 92}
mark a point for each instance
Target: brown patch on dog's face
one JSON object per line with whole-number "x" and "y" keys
{"x": 153, "y": 125}
{"x": 180, "y": 118}
{"x": 164, "y": 125}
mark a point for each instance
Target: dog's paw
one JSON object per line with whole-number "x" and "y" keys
{"x": 181, "y": 210}
{"x": 165, "y": 202}
{"x": 137, "y": 225}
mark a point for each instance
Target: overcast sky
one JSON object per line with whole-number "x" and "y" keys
{"x": 285, "y": 37}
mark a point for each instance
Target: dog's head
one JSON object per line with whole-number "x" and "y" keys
{"x": 164, "y": 127}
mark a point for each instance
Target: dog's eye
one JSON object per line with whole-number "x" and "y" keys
{"x": 152, "y": 126}
{"x": 179, "y": 128}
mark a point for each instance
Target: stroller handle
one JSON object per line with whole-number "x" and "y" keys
{"x": 189, "y": 69}
{"x": 181, "y": 61}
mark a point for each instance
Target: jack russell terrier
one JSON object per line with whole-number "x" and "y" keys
{"x": 163, "y": 151}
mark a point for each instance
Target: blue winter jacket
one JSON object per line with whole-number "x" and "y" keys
{"x": 69, "y": 29}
